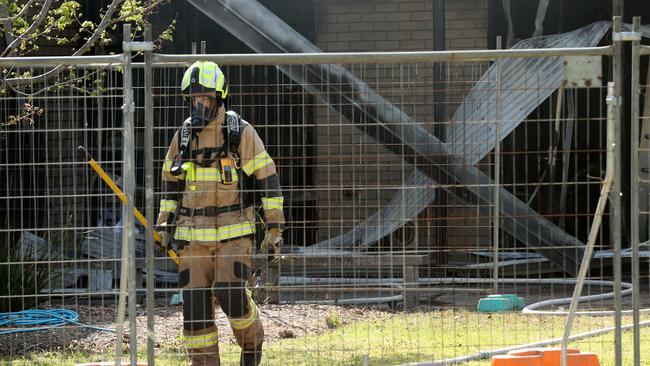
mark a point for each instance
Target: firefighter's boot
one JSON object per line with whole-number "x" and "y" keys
{"x": 251, "y": 357}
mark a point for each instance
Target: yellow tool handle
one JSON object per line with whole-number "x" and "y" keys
{"x": 118, "y": 192}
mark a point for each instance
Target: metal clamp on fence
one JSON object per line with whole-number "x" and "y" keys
{"x": 626, "y": 36}
{"x": 137, "y": 46}
{"x": 128, "y": 107}
{"x": 614, "y": 100}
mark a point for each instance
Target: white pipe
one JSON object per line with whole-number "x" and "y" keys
{"x": 530, "y": 309}
{"x": 392, "y": 282}
{"x": 542, "y": 7}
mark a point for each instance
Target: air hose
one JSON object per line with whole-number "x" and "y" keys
{"x": 35, "y": 320}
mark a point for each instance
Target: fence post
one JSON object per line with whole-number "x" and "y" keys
{"x": 127, "y": 276}
{"x": 635, "y": 95}
{"x": 615, "y": 197}
{"x": 128, "y": 176}
{"x": 497, "y": 175}
{"x": 149, "y": 193}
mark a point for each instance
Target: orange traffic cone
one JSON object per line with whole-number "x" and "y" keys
{"x": 545, "y": 357}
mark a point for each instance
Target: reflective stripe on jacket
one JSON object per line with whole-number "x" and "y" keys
{"x": 218, "y": 234}
{"x": 201, "y": 341}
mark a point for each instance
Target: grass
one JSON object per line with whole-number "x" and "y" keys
{"x": 432, "y": 335}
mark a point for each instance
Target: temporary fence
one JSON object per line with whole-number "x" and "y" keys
{"x": 415, "y": 184}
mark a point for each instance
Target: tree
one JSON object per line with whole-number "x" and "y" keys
{"x": 24, "y": 24}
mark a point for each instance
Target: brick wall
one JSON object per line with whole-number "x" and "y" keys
{"x": 466, "y": 24}
{"x": 355, "y": 175}
{"x": 398, "y": 25}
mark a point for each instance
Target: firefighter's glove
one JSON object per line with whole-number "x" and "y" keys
{"x": 165, "y": 242}
{"x": 272, "y": 242}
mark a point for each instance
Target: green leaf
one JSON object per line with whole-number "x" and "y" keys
{"x": 13, "y": 7}
{"x": 66, "y": 12}
{"x": 67, "y": 9}
{"x": 19, "y": 25}
{"x": 132, "y": 11}
{"x": 88, "y": 25}
{"x": 168, "y": 34}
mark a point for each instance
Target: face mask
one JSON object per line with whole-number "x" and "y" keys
{"x": 202, "y": 113}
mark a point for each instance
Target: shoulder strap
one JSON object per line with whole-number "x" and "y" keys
{"x": 184, "y": 149}
{"x": 232, "y": 132}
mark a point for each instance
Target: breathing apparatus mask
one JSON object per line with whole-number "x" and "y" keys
{"x": 204, "y": 108}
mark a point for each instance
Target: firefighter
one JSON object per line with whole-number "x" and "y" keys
{"x": 215, "y": 162}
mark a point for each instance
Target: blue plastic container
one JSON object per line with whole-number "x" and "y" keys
{"x": 498, "y": 303}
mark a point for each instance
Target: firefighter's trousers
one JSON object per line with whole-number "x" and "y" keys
{"x": 212, "y": 274}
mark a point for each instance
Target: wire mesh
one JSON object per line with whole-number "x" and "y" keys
{"x": 388, "y": 176}
{"x": 53, "y": 207}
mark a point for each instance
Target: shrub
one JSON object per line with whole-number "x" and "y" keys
{"x": 333, "y": 320}
{"x": 21, "y": 279}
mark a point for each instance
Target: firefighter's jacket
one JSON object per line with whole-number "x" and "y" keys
{"x": 202, "y": 187}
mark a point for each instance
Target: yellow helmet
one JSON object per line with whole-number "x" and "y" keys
{"x": 204, "y": 77}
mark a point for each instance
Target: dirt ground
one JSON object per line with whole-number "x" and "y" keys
{"x": 280, "y": 321}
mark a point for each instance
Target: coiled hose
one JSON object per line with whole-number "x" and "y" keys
{"x": 35, "y": 320}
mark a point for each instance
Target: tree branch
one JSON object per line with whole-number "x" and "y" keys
{"x": 6, "y": 25}
{"x": 21, "y": 12}
{"x": 24, "y": 9}
{"x": 106, "y": 20}
{"x": 37, "y": 23}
